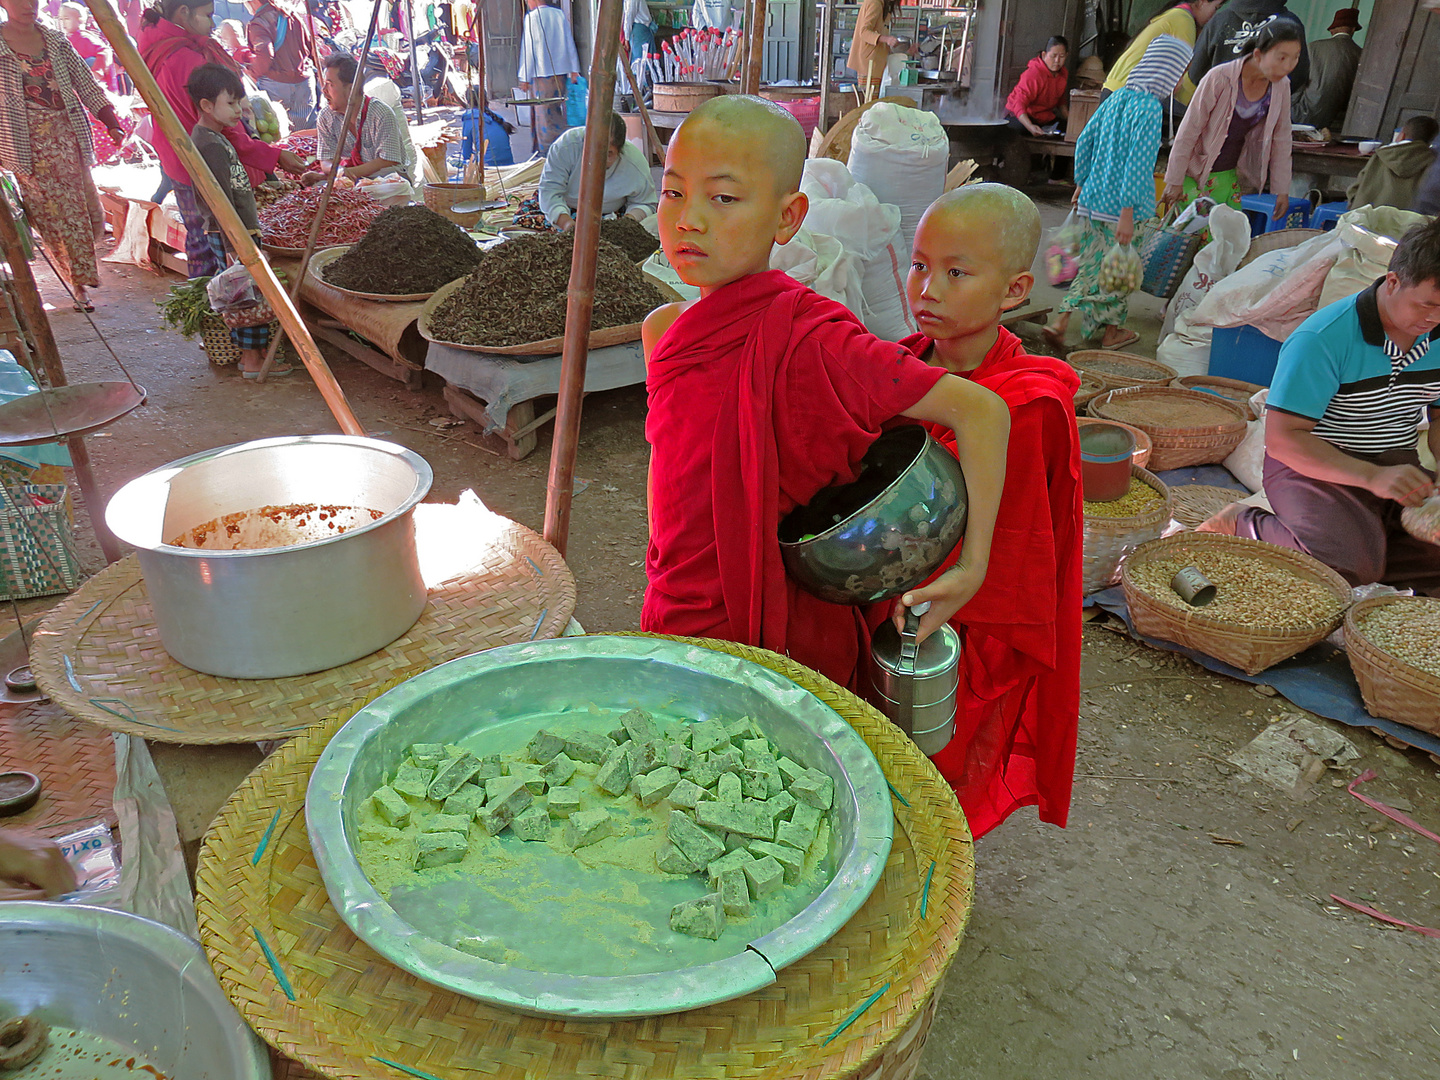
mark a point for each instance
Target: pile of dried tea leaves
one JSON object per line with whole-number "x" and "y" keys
{"x": 408, "y": 249}
{"x": 518, "y": 294}
{"x": 629, "y": 236}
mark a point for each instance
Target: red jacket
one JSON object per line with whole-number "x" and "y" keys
{"x": 1038, "y": 92}
{"x": 172, "y": 54}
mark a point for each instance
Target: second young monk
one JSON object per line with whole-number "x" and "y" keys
{"x": 763, "y": 393}
{"x": 1019, "y": 705}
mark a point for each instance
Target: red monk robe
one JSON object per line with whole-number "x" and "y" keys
{"x": 1019, "y": 711}
{"x": 761, "y": 395}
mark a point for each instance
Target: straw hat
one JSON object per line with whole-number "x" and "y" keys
{"x": 1091, "y": 68}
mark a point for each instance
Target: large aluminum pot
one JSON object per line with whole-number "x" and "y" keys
{"x": 885, "y": 533}
{"x": 125, "y": 979}
{"x": 269, "y": 613}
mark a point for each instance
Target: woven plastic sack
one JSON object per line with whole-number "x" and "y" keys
{"x": 1276, "y": 292}
{"x": 1369, "y": 236}
{"x": 37, "y": 541}
{"x": 902, "y": 155}
{"x": 1062, "y": 261}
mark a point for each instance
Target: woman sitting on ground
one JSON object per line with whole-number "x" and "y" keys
{"x": 383, "y": 148}
{"x": 1038, "y": 99}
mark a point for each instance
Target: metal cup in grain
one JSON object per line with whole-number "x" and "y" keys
{"x": 1192, "y": 586}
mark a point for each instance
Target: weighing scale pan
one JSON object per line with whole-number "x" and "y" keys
{"x": 49, "y": 416}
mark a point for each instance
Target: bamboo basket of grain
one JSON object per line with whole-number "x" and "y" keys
{"x": 683, "y": 96}
{"x": 1236, "y": 390}
{"x": 1187, "y": 427}
{"x": 1117, "y": 369}
{"x": 1387, "y": 659}
{"x": 1143, "y": 445}
{"x": 1271, "y": 602}
{"x": 1091, "y": 386}
{"x": 1109, "y": 539}
{"x": 443, "y": 198}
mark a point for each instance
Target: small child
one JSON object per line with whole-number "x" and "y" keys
{"x": 217, "y": 93}
{"x": 477, "y": 122}
{"x": 763, "y": 393}
{"x": 1019, "y": 706}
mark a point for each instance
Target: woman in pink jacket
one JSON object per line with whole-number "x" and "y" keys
{"x": 175, "y": 40}
{"x": 1236, "y": 132}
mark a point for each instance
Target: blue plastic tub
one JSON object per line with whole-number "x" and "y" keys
{"x": 1242, "y": 352}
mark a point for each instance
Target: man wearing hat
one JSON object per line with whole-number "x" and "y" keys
{"x": 1333, "y": 63}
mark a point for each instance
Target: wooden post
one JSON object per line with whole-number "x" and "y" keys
{"x": 32, "y": 311}
{"x": 414, "y": 67}
{"x": 640, "y": 100}
{"x": 756, "y": 34}
{"x": 230, "y": 222}
{"x": 827, "y": 61}
{"x": 579, "y": 309}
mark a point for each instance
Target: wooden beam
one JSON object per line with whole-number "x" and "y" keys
{"x": 826, "y": 53}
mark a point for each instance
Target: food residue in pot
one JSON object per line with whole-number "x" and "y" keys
{"x": 275, "y": 527}
{"x": 82, "y": 1055}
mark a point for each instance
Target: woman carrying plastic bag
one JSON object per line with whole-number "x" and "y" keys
{"x": 1115, "y": 188}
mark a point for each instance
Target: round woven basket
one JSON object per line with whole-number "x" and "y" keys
{"x": 1090, "y": 387}
{"x": 1117, "y": 369}
{"x": 1252, "y": 649}
{"x": 857, "y": 1008}
{"x": 1109, "y": 540}
{"x": 1236, "y": 390}
{"x": 1143, "y": 446}
{"x": 215, "y": 339}
{"x": 1391, "y": 688}
{"x": 1274, "y": 241}
{"x": 684, "y": 96}
{"x": 1176, "y": 445}
{"x": 441, "y": 197}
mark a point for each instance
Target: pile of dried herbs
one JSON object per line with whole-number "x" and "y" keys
{"x": 518, "y": 293}
{"x": 408, "y": 249}
{"x": 629, "y": 236}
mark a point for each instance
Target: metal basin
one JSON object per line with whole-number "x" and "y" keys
{"x": 126, "y": 979}
{"x": 472, "y": 700}
{"x": 275, "y": 612}
{"x": 886, "y": 532}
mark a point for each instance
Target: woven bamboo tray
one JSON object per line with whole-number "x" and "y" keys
{"x": 1143, "y": 446}
{"x": 1090, "y": 387}
{"x": 1252, "y": 649}
{"x": 1236, "y": 390}
{"x": 1176, "y": 446}
{"x": 74, "y": 760}
{"x": 1108, "y": 540}
{"x": 1196, "y": 502}
{"x": 1391, "y": 688}
{"x": 98, "y": 654}
{"x": 1117, "y": 369}
{"x": 860, "y": 1006}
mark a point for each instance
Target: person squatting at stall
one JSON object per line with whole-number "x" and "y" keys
{"x": 217, "y": 93}
{"x": 1342, "y": 423}
{"x": 383, "y": 148}
{"x": 628, "y": 186}
{"x": 763, "y": 393}
{"x": 1019, "y": 704}
{"x": 1038, "y": 100}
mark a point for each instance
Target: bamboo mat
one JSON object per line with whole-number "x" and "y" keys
{"x": 860, "y": 1006}
{"x": 98, "y": 654}
{"x": 1196, "y": 502}
{"x": 74, "y": 760}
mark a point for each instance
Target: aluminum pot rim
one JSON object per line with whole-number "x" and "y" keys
{"x": 424, "y": 478}
{"x": 375, "y": 922}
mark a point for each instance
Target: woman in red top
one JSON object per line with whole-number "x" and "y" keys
{"x": 1039, "y": 97}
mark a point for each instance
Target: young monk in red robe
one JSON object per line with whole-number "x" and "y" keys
{"x": 1019, "y": 706}
{"x": 762, "y": 393}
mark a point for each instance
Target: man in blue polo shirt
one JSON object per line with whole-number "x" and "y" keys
{"x": 1354, "y": 382}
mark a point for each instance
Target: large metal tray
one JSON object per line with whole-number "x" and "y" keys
{"x": 458, "y": 701}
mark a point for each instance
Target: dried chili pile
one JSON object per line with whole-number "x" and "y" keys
{"x": 629, "y": 236}
{"x": 286, "y": 222}
{"x": 409, "y": 249}
{"x": 518, "y": 293}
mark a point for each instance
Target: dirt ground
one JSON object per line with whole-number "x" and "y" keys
{"x": 1181, "y": 926}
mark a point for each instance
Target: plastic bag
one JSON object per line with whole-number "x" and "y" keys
{"x": 577, "y": 99}
{"x": 1061, "y": 262}
{"x": 92, "y": 854}
{"x": 1423, "y": 521}
{"x": 1121, "y": 270}
{"x": 271, "y": 124}
{"x": 1247, "y": 461}
{"x": 388, "y": 190}
{"x": 233, "y": 288}
{"x": 1185, "y": 346}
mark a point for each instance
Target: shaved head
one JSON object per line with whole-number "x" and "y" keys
{"x": 1009, "y": 217}
{"x": 754, "y": 123}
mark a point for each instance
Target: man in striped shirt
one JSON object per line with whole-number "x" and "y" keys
{"x": 1354, "y": 383}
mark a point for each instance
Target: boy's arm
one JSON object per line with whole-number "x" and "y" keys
{"x": 981, "y": 422}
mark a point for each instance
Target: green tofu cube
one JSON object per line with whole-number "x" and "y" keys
{"x": 428, "y": 755}
{"x": 685, "y": 794}
{"x": 790, "y": 770}
{"x": 563, "y": 801}
{"x": 507, "y": 798}
{"x": 588, "y": 746}
{"x": 559, "y": 770}
{"x": 790, "y": 860}
{"x": 489, "y": 769}
{"x": 747, "y": 819}
{"x": 740, "y": 730}
{"x": 753, "y": 784}
{"x": 729, "y": 761}
{"x": 703, "y": 917}
{"x": 780, "y": 805}
{"x": 656, "y": 785}
{"x": 614, "y": 775}
{"x": 679, "y": 757}
{"x": 484, "y": 946}
{"x": 734, "y": 893}
{"x": 412, "y": 780}
{"x": 467, "y": 801}
{"x": 765, "y": 876}
{"x": 794, "y": 835}
{"x": 641, "y": 726}
{"x": 618, "y": 735}
{"x": 585, "y": 827}
{"x": 391, "y": 807}
{"x": 703, "y": 773}
{"x": 814, "y": 789}
{"x": 452, "y": 773}
{"x": 734, "y": 840}
{"x": 447, "y": 823}
{"x": 680, "y": 734}
{"x": 808, "y": 818}
{"x": 708, "y": 735}
{"x": 698, "y": 845}
{"x": 731, "y": 790}
{"x": 646, "y": 756}
{"x": 533, "y": 824}
{"x": 669, "y": 861}
{"x": 755, "y": 752}
{"x": 438, "y": 849}
{"x": 543, "y": 747}
{"x": 731, "y": 860}
{"x": 374, "y": 830}
{"x": 529, "y": 774}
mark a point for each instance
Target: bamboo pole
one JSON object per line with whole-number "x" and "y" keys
{"x": 414, "y": 67}
{"x": 579, "y": 309}
{"x": 827, "y": 61}
{"x": 756, "y": 34}
{"x": 230, "y": 223}
{"x": 32, "y": 310}
{"x": 352, "y": 107}
{"x": 640, "y": 99}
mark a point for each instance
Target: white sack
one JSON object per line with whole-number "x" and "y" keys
{"x": 1186, "y": 347}
{"x": 902, "y": 155}
{"x": 1369, "y": 235}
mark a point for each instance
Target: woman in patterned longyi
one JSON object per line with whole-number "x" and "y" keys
{"x": 1115, "y": 187}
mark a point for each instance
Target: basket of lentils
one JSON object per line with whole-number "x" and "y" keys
{"x": 1114, "y": 529}
{"x": 1394, "y": 648}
